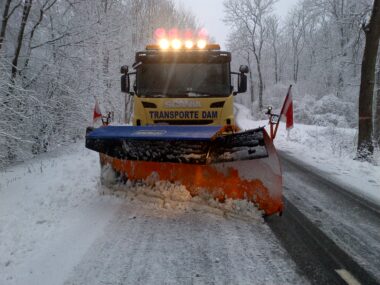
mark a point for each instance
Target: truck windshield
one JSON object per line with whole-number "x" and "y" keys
{"x": 183, "y": 80}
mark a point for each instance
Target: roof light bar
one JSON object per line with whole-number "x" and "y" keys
{"x": 164, "y": 44}
{"x": 176, "y": 44}
{"x": 189, "y": 44}
{"x": 201, "y": 44}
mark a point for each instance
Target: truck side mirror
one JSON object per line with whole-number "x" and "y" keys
{"x": 242, "y": 79}
{"x": 242, "y": 83}
{"x": 244, "y": 69}
{"x": 124, "y": 69}
{"x": 125, "y": 81}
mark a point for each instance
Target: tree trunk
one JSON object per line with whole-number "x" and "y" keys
{"x": 377, "y": 107}
{"x": 251, "y": 85}
{"x": 365, "y": 138}
{"x": 4, "y": 22}
{"x": 276, "y": 79}
{"x": 32, "y": 32}
{"x": 275, "y": 55}
{"x": 295, "y": 68}
{"x": 52, "y": 35}
{"x": 24, "y": 19}
{"x": 251, "y": 88}
{"x": 106, "y": 54}
{"x": 261, "y": 82}
{"x": 261, "y": 88}
{"x": 340, "y": 21}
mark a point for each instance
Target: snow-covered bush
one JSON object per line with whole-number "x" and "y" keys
{"x": 328, "y": 110}
{"x": 331, "y": 110}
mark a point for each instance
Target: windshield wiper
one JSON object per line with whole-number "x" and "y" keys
{"x": 157, "y": 93}
{"x": 198, "y": 93}
{"x": 176, "y": 93}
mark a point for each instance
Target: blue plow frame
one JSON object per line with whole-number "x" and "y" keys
{"x": 155, "y": 133}
{"x": 177, "y": 144}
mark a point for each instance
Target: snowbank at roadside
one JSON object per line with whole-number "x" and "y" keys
{"x": 329, "y": 149}
{"x": 50, "y": 213}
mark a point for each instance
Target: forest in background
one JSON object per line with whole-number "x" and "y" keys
{"x": 318, "y": 48}
{"x": 57, "y": 56}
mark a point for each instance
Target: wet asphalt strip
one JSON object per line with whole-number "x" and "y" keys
{"x": 316, "y": 255}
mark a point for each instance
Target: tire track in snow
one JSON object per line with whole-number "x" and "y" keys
{"x": 147, "y": 244}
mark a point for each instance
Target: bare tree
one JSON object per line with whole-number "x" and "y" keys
{"x": 64, "y": 51}
{"x": 372, "y": 32}
{"x": 273, "y": 24}
{"x": 297, "y": 22}
{"x": 43, "y": 9}
{"x": 240, "y": 48}
{"x": 377, "y": 107}
{"x": 249, "y": 16}
{"x": 6, "y": 15}
{"x": 20, "y": 38}
{"x": 337, "y": 8}
{"x": 251, "y": 82}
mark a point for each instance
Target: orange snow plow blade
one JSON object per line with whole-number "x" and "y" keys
{"x": 257, "y": 180}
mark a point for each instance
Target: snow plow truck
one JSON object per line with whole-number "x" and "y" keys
{"x": 184, "y": 127}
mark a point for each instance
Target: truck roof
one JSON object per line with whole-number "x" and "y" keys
{"x": 182, "y": 56}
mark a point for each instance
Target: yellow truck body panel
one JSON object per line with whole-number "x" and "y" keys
{"x": 183, "y": 111}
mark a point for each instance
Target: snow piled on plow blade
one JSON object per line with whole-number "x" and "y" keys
{"x": 175, "y": 196}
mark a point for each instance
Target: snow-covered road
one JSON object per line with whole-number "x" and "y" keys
{"x": 56, "y": 228}
{"x": 146, "y": 244}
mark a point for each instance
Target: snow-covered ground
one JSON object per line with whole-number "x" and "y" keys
{"x": 331, "y": 150}
{"x": 50, "y": 213}
{"x": 56, "y": 227}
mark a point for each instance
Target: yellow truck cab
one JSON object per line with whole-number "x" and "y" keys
{"x": 183, "y": 86}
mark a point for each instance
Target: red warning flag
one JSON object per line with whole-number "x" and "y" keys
{"x": 97, "y": 112}
{"x": 287, "y": 110}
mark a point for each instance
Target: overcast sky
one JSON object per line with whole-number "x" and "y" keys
{"x": 210, "y": 15}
